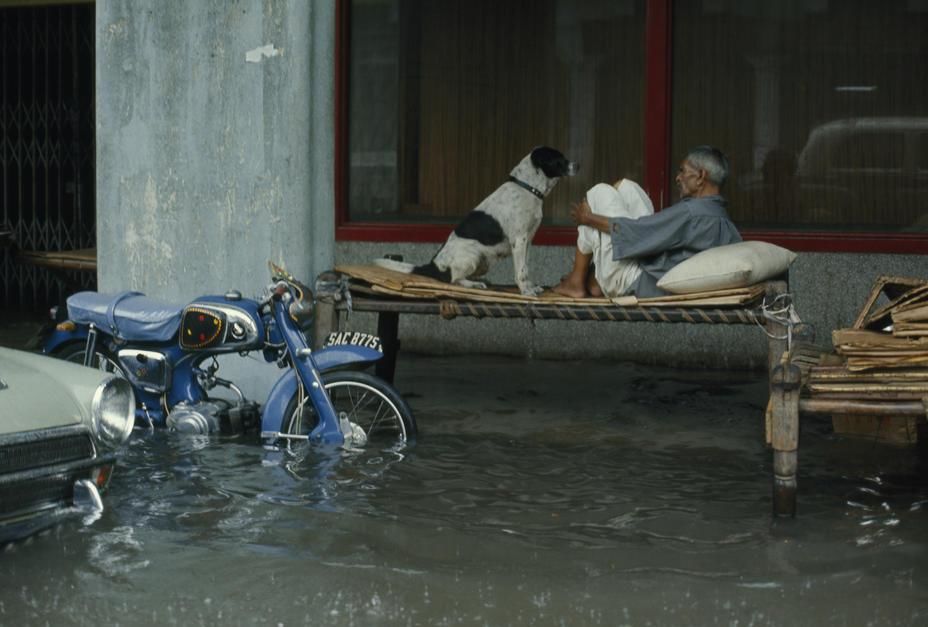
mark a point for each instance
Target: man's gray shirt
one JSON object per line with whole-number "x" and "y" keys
{"x": 660, "y": 241}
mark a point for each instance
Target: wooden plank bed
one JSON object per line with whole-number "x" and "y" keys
{"x": 391, "y": 294}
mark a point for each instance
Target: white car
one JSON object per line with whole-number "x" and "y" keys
{"x": 61, "y": 425}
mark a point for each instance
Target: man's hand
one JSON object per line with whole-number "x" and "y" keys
{"x": 580, "y": 213}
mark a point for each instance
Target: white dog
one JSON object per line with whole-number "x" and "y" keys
{"x": 502, "y": 225}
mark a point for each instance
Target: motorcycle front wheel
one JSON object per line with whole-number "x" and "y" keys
{"x": 102, "y": 360}
{"x": 370, "y": 403}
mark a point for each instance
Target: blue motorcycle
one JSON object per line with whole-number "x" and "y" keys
{"x": 168, "y": 353}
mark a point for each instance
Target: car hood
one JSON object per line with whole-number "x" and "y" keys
{"x": 38, "y": 392}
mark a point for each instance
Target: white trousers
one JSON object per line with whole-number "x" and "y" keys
{"x": 624, "y": 200}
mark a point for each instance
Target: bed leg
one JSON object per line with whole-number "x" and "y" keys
{"x": 326, "y": 320}
{"x": 388, "y": 324}
{"x": 784, "y": 391}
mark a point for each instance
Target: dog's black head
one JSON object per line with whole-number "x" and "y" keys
{"x": 553, "y": 163}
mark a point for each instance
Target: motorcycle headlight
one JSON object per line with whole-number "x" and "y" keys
{"x": 113, "y": 410}
{"x": 302, "y": 312}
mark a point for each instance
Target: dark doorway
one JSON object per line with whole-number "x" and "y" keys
{"x": 46, "y": 151}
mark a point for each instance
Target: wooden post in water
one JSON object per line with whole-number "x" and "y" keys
{"x": 388, "y": 323}
{"x": 784, "y": 394}
{"x": 326, "y": 314}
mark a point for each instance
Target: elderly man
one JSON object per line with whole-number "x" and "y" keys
{"x": 629, "y": 248}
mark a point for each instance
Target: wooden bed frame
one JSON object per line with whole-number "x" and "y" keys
{"x": 337, "y": 294}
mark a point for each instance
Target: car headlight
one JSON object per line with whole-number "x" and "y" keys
{"x": 113, "y": 410}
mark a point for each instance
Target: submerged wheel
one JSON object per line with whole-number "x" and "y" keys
{"x": 368, "y": 402}
{"x": 102, "y": 360}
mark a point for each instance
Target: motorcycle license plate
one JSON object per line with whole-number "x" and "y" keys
{"x": 353, "y": 338}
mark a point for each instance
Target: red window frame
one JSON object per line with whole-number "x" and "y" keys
{"x": 657, "y": 159}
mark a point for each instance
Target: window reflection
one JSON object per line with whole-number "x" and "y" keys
{"x": 817, "y": 103}
{"x": 446, "y": 96}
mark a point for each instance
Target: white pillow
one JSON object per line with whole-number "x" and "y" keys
{"x": 727, "y": 267}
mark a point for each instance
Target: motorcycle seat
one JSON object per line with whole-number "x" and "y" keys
{"x": 126, "y": 315}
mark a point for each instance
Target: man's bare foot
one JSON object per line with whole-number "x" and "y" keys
{"x": 570, "y": 288}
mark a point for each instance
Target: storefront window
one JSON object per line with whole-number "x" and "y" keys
{"x": 821, "y": 106}
{"x": 446, "y": 96}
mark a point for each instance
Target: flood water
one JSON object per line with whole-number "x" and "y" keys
{"x": 539, "y": 493}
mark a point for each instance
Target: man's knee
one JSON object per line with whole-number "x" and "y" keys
{"x": 600, "y": 190}
{"x": 603, "y": 199}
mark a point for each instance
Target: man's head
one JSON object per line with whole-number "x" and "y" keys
{"x": 702, "y": 172}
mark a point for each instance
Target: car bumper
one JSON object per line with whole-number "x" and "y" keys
{"x": 40, "y": 496}
{"x": 33, "y": 522}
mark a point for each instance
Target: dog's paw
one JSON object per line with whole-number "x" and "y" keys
{"x": 480, "y": 285}
{"x": 531, "y": 290}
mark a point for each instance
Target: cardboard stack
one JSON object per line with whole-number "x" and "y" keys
{"x": 882, "y": 357}
{"x": 892, "y": 335}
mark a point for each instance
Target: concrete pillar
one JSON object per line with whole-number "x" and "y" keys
{"x": 215, "y": 137}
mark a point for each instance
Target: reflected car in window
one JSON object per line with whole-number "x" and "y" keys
{"x": 851, "y": 174}
{"x": 871, "y": 171}
{"x": 61, "y": 426}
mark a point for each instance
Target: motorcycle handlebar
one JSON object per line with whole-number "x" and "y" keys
{"x": 281, "y": 288}
{"x": 275, "y": 291}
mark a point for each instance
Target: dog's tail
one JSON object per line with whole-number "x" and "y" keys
{"x": 429, "y": 270}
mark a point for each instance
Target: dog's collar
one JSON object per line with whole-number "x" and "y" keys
{"x": 525, "y": 185}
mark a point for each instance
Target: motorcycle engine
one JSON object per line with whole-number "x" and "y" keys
{"x": 214, "y": 415}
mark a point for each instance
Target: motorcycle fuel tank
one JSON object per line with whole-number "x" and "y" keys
{"x": 216, "y": 325}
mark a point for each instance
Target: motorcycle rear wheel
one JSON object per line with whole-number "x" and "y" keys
{"x": 367, "y": 401}
{"x": 102, "y": 360}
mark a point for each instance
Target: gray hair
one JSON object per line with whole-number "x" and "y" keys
{"x": 712, "y": 160}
